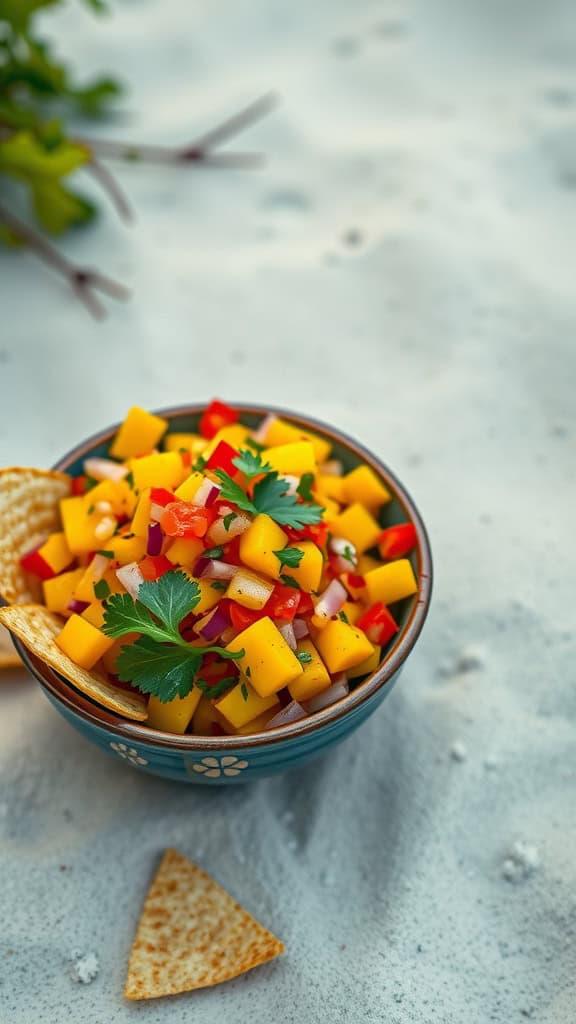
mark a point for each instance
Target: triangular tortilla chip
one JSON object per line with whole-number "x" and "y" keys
{"x": 192, "y": 934}
{"x": 36, "y": 627}
{"x": 8, "y": 656}
{"x": 29, "y": 511}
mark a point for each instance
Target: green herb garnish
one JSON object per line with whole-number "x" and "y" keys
{"x": 290, "y": 557}
{"x": 255, "y": 445}
{"x": 90, "y": 510}
{"x": 219, "y": 585}
{"x": 270, "y": 496}
{"x": 343, "y": 617}
{"x": 244, "y": 691}
{"x": 129, "y": 478}
{"x": 228, "y": 520}
{"x": 160, "y": 662}
{"x": 214, "y": 690}
{"x": 289, "y": 581}
{"x": 304, "y": 657}
{"x": 200, "y": 464}
{"x": 216, "y": 552}
{"x": 106, "y": 554}
{"x": 101, "y": 590}
{"x": 348, "y": 554}
{"x": 304, "y": 488}
{"x": 250, "y": 464}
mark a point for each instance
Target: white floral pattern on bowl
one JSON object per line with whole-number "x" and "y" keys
{"x": 214, "y": 767}
{"x": 129, "y": 754}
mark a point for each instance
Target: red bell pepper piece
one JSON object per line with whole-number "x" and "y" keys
{"x": 183, "y": 519}
{"x": 79, "y": 485}
{"x": 154, "y": 566}
{"x": 186, "y": 457}
{"x": 283, "y": 603}
{"x": 378, "y": 624}
{"x": 397, "y": 541}
{"x": 222, "y": 457}
{"x": 36, "y": 565}
{"x": 160, "y": 496}
{"x": 216, "y": 416}
{"x": 305, "y": 605}
{"x": 232, "y": 552}
{"x": 241, "y": 617}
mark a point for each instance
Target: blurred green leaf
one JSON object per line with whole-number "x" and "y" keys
{"x": 19, "y": 12}
{"x": 24, "y": 157}
{"x": 59, "y": 208}
{"x": 93, "y": 98}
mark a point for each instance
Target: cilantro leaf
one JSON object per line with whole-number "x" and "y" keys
{"x": 304, "y": 487}
{"x": 304, "y": 657}
{"x": 250, "y": 463}
{"x": 289, "y": 581}
{"x": 214, "y": 690}
{"x": 271, "y": 498}
{"x": 101, "y": 590}
{"x": 231, "y": 491}
{"x": 124, "y": 615}
{"x": 228, "y": 520}
{"x": 255, "y": 445}
{"x": 164, "y": 670}
{"x": 171, "y": 598}
{"x": 244, "y": 691}
{"x": 216, "y": 552}
{"x": 290, "y": 557}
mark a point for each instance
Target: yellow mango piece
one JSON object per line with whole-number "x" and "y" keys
{"x": 162, "y": 469}
{"x": 205, "y": 717}
{"x": 356, "y": 593}
{"x": 309, "y": 573}
{"x": 295, "y": 459}
{"x": 84, "y": 590}
{"x": 78, "y": 526}
{"x": 352, "y": 611}
{"x": 365, "y": 564}
{"x": 391, "y": 582}
{"x": 242, "y": 704}
{"x": 140, "y": 432}
{"x": 114, "y": 583}
{"x": 127, "y": 549}
{"x": 331, "y": 508}
{"x": 55, "y": 552}
{"x": 258, "y": 544}
{"x": 59, "y": 591}
{"x": 358, "y": 526}
{"x": 82, "y": 642}
{"x": 185, "y": 551}
{"x": 94, "y": 613}
{"x": 117, "y": 493}
{"x": 193, "y": 443}
{"x": 209, "y": 596}
{"x": 330, "y": 487}
{"x": 267, "y": 661}
{"x": 363, "y": 668}
{"x": 363, "y": 485}
{"x": 249, "y": 590}
{"x": 187, "y": 490}
{"x": 281, "y": 432}
{"x": 342, "y": 646}
{"x": 175, "y": 715}
{"x": 257, "y": 724}
{"x": 235, "y": 434}
{"x": 315, "y": 676}
{"x": 141, "y": 520}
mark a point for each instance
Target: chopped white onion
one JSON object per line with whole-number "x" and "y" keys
{"x": 300, "y": 627}
{"x": 339, "y": 688}
{"x": 217, "y": 570}
{"x": 218, "y": 534}
{"x": 287, "y": 631}
{"x": 292, "y": 481}
{"x": 205, "y": 493}
{"x": 331, "y": 468}
{"x": 248, "y": 584}
{"x": 104, "y": 469}
{"x": 331, "y": 600}
{"x": 259, "y": 435}
{"x": 105, "y": 528}
{"x": 131, "y": 578}
{"x": 98, "y": 567}
{"x": 156, "y": 512}
{"x": 346, "y": 557}
{"x": 293, "y": 712}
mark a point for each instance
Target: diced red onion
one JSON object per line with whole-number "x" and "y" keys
{"x": 346, "y": 558}
{"x": 332, "y": 468}
{"x": 206, "y": 494}
{"x": 131, "y": 578}
{"x": 218, "y": 534}
{"x": 331, "y": 600}
{"x": 213, "y": 625}
{"x": 156, "y": 511}
{"x": 99, "y": 567}
{"x": 200, "y": 565}
{"x": 78, "y": 606}
{"x": 155, "y": 539}
{"x": 293, "y": 712}
{"x": 287, "y": 631}
{"x": 300, "y": 627}
{"x": 339, "y": 688}
{"x": 104, "y": 469}
{"x": 261, "y": 432}
{"x": 292, "y": 481}
{"x": 216, "y": 570}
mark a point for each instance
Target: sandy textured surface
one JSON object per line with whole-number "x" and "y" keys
{"x": 403, "y": 267}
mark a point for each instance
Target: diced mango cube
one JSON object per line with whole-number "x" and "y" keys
{"x": 258, "y": 544}
{"x": 358, "y": 526}
{"x": 127, "y": 549}
{"x": 59, "y": 591}
{"x": 363, "y": 668}
{"x": 205, "y": 718}
{"x": 363, "y": 485}
{"x": 281, "y": 432}
{"x": 116, "y": 493}
{"x": 257, "y": 724}
{"x": 352, "y": 610}
{"x": 78, "y": 526}
{"x": 309, "y": 572}
{"x": 94, "y": 613}
{"x": 185, "y": 551}
{"x": 241, "y": 704}
{"x": 56, "y": 553}
{"x": 187, "y": 490}
{"x": 209, "y": 595}
{"x": 141, "y": 519}
{"x": 140, "y": 432}
{"x": 82, "y": 642}
{"x": 267, "y": 661}
{"x": 109, "y": 657}
{"x": 295, "y": 459}
{"x": 249, "y": 589}
{"x": 365, "y": 564}
{"x": 330, "y": 487}
{"x": 162, "y": 469}
{"x": 315, "y": 676}
{"x": 175, "y": 715}
{"x": 193, "y": 443}
{"x": 342, "y": 646}
{"x": 391, "y": 582}
{"x": 331, "y": 507}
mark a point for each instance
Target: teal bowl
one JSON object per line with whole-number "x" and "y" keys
{"x": 218, "y": 760}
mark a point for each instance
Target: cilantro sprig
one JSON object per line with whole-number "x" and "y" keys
{"x": 160, "y": 661}
{"x": 270, "y": 494}
{"x": 290, "y": 557}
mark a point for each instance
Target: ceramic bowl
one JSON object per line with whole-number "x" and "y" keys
{"x": 217, "y": 760}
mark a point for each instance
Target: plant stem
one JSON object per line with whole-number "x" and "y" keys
{"x": 84, "y": 282}
{"x": 108, "y": 182}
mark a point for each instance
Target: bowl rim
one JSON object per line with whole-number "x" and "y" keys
{"x": 133, "y": 731}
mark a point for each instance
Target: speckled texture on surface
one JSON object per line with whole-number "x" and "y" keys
{"x": 404, "y": 268}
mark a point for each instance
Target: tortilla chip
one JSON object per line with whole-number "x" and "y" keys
{"x": 192, "y": 934}
{"x": 8, "y": 656}
{"x": 29, "y": 511}
{"x": 37, "y": 627}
